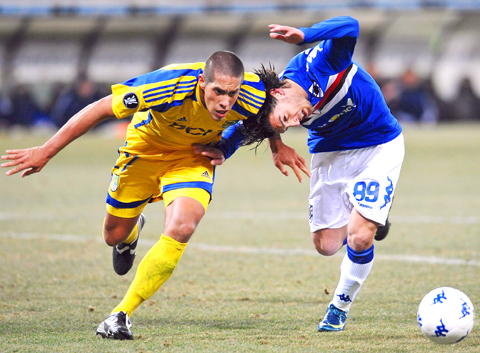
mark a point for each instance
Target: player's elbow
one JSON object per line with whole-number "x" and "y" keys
{"x": 354, "y": 26}
{"x": 104, "y": 107}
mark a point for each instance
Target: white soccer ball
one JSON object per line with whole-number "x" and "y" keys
{"x": 446, "y": 315}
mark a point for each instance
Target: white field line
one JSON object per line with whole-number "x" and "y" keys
{"x": 304, "y": 215}
{"x": 246, "y": 215}
{"x": 243, "y": 249}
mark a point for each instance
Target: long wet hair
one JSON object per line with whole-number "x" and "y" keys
{"x": 257, "y": 127}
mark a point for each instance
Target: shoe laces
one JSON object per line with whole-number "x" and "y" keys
{"x": 118, "y": 320}
{"x": 337, "y": 313}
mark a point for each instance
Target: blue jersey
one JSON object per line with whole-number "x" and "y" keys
{"x": 349, "y": 110}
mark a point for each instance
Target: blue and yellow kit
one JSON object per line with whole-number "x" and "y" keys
{"x": 157, "y": 161}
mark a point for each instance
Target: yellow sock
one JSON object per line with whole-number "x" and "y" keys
{"x": 156, "y": 267}
{"x": 133, "y": 235}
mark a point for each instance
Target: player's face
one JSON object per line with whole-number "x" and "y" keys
{"x": 220, "y": 95}
{"x": 289, "y": 111}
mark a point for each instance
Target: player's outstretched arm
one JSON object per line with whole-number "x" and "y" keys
{"x": 215, "y": 154}
{"x": 32, "y": 160}
{"x": 287, "y": 34}
{"x": 284, "y": 155}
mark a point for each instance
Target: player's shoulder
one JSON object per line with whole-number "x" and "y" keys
{"x": 170, "y": 74}
{"x": 186, "y": 69}
{"x": 173, "y": 73}
{"x": 252, "y": 95}
{"x": 172, "y": 83}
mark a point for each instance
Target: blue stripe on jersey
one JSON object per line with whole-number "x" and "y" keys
{"x": 252, "y": 96}
{"x": 189, "y": 184}
{"x": 251, "y": 100}
{"x": 160, "y": 75}
{"x": 258, "y": 106}
{"x": 240, "y": 110}
{"x": 257, "y": 85}
{"x": 171, "y": 85}
{"x": 144, "y": 122}
{"x": 117, "y": 204}
{"x": 164, "y": 94}
{"x": 129, "y": 162}
{"x": 165, "y": 106}
{"x": 118, "y": 150}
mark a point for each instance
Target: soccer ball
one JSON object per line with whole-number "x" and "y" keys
{"x": 446, "y": 315}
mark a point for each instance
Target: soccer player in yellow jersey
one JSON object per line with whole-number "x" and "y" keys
{"x": 174, "y": 107}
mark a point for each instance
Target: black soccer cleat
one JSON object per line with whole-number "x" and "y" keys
{"x": 124, "y": 254}
{"x": 116, "y": 327}
{"x": 382, "y": 231}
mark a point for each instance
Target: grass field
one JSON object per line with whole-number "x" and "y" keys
{"x": 250, "y": 280}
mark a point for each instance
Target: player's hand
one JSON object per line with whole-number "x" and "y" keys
{"x": 216, "y": 155}
{"x": 287, "y": 34}
{"x": 284, "y": 155}
{"x": 31, "y": 160}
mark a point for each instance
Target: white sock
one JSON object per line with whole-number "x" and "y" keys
{"x": 352, "y": 277}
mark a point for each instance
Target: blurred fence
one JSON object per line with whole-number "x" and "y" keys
{"x": 55, "y": 48}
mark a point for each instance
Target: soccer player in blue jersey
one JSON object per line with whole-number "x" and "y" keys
{"x": 356, "y": 144}
{"x": 172, "y": 108}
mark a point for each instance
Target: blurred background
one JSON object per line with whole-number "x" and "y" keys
{"x": 57, "y": 56}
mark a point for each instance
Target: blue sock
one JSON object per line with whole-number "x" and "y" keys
{"x": 360, "y": 257}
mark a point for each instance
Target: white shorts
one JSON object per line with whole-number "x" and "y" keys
{"x": 364, "y": 179}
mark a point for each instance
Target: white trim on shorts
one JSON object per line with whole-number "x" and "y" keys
{"x": 364, "y": 179}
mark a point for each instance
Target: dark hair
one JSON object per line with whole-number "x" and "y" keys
{"x": 257, "y": 127}
{"x": 223, "y": 62}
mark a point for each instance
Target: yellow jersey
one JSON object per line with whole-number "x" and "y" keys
{"x": 168, "y": 113}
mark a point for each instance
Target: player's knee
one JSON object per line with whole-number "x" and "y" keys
{"x": 112, "y": 236}
{"x": 326, "y": 250}
{"x": 360, "y": 241}
{"x": 181, "y": 231}
{"x": 325, "y": 247}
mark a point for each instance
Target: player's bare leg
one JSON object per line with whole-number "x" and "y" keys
{"x": 117, "y": 229}
{"x": 329, "y": 241}
{"x": 182, "y": 217}
{"x": 123, "y": 235}
{"x": 355, "y": 268}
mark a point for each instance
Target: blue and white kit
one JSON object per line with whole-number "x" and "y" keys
{"x": 349, "y": 114}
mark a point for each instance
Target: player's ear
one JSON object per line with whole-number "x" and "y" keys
{"x": 274, "y": 92}
{"x": 201, "y": 81}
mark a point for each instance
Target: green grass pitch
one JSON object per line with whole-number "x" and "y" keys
{"x": 250, "y": 280}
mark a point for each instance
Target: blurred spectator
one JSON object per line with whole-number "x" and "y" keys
{"x": 391, "y": 92}
{"x": 466, "y": 106}
{"x": 415, "y": 103}
{"x": 24, "y": 109}
{"x": 71, "y": 101}
{"x": 5, "y": 111}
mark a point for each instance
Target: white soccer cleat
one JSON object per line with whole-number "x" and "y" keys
{"x": 116, "y": 327}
